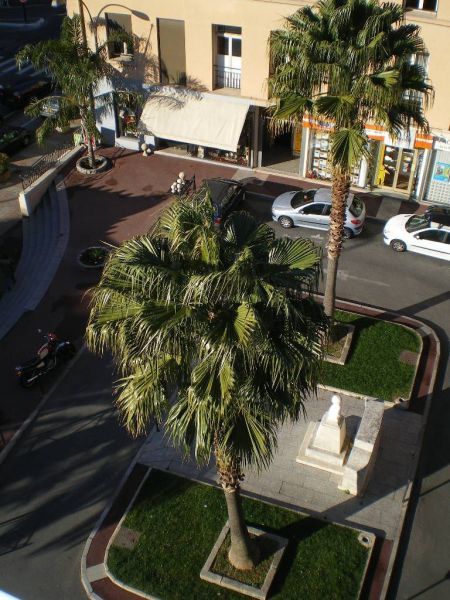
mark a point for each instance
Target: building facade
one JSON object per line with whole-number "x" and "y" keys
{"x": 206, "y": 65}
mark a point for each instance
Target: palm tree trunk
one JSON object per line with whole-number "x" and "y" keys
{"x": 339, "y": 191}
{"x": 91, "y": 91}
{"x": 87, "y": 137}
{"x": 243, "y": 553}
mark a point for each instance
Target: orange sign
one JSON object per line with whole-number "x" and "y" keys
{"x": 423, "y": 140}
{"x": 315, "y": 124}
{"x": 375, "y": 132}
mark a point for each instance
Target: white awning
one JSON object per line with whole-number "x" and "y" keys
{"x": 194, "y": 118}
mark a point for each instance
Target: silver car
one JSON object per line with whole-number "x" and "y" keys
{"x": 312, "y": 208}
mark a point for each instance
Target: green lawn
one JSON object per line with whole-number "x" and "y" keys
{"x": 373, "y": 367}
{"x": 180, "y": 521}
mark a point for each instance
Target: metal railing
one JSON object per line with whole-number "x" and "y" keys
{"x": 225, "y": 77}
{"x": 30, "y": 174}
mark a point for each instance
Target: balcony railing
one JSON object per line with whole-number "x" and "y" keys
{"x": 225, "y": 77}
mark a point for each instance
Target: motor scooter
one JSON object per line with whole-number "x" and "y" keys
{"x": 51, "y": 354}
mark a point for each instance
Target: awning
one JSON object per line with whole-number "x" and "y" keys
{"x": 194, "y": 118}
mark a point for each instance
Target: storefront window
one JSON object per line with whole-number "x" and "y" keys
{"x": 128, "y": 111}
{"x": 320, "y": 166}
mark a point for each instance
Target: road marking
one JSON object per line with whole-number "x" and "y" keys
{"x": 346, "y": 276}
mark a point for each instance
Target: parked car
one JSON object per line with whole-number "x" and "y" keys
{"x": 312, "y": 208}
{"x": 20, "y": 94}
{"x": 225, "y": 194}
{"x": 417, "y": 233}
{"x": 438, "y": 214}
{"x": 13, "y": 139}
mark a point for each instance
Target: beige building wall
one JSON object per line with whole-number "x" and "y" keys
{"x": 256, "y": 19}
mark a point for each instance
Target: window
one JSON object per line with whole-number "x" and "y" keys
{"x": 430, "y": 5}
{"x": 227, "y": 59}
{"x": 415, "y": 223}
{"x": 433, "y": 235}
{"x": 314, "y": 209}
{"x": 118, "y": 25}
{"x": 327, "y": 210}
{"x": 236, "y": 47}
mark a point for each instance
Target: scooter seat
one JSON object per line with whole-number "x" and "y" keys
{"x": 34, "y": 362}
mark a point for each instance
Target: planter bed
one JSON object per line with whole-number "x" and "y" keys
{"x": 179, "y": 521}
{"x": 375, "y": 364}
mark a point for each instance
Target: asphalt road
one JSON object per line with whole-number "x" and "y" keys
{"x": 57, "y": 481}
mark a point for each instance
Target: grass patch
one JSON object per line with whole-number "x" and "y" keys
{"x": 180, "y": 521}
{"x": 373, "y": 367}
{"x": 256, "y": 576}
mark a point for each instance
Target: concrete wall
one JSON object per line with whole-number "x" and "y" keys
{"x": 30, "y": 198}
{"x": 256, "y": 18}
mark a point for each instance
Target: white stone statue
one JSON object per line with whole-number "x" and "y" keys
{"x": 334, "y": 412}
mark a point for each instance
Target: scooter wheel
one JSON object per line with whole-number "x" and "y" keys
{"x": 27, "y": 382}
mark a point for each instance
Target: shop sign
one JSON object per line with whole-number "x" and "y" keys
{"x": 442, "y": 143}
{"x": 316, "y": 124}
{"x": 441, "y": 172}
{"x": 375, "y": 132}
{"x": 423, "y": 140}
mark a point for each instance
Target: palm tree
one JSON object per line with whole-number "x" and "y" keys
{"x": 208, "y": 334}
{"x": 351, "y": 62}
{"x": 77, "y": 71}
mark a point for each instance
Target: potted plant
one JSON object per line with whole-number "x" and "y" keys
{"x": 5, "y": 173}
{"x": 93, "y": 257}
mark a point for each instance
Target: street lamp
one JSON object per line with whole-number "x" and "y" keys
{"x": 94, "y": 20}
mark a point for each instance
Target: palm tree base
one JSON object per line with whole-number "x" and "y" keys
{"x": 245, "y": 561}
{"x": 83, "y": 165}
{"x": 219, "y": 571}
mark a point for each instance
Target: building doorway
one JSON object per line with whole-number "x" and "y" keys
{"x": 281, "y": 151}
{"x": 397, "y": 167}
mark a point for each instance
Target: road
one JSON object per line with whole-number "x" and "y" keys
{"x": 57, "y": 481}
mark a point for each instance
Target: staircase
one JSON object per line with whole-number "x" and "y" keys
{"x": 45, "y": 237}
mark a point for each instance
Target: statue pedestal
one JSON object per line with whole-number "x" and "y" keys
{"x": 325, "y": 444}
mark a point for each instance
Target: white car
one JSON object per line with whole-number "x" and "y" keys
{"x": 417, "y": 233}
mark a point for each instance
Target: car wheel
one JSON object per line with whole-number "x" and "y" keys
{"x": 398, "y": 245}
{"x": 286, "y": 222}
{"x": 348, "y": 233}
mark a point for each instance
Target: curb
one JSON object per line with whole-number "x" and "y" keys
{"x": 383, "y": 568}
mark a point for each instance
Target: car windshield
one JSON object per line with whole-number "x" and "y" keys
{"x": 301, "y": 197}
{"x": 356, "y": 207}
{"x": 415, "y": 223}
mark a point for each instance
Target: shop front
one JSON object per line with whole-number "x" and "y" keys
{"x": 201, "y": 125}
{"x": 438, "y": 180}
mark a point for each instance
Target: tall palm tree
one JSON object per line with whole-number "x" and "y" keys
{"x": 77, "y": 71}
{"x": 351, "y": 62}
{"x": 208, "y": 335}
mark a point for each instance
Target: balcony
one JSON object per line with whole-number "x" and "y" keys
{"x": 226, "y": 77}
